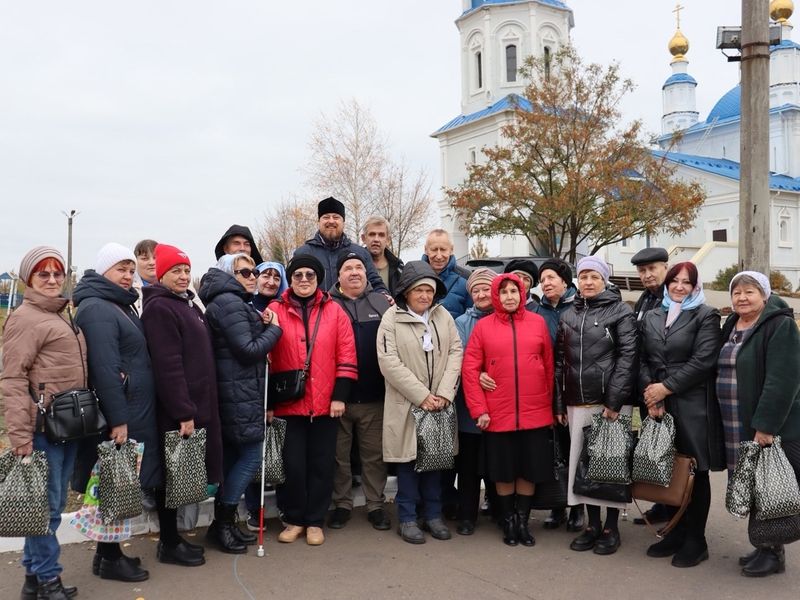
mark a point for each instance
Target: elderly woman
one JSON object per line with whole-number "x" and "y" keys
{"x": 121, "y": 373}
{"x": 44, "y": 353}
{"x": 678, "y": 359}
{"x": 312, "y": 323}
{"x": 419, "y": 354}
{"x": 758, "y": 386}
{"x": 513, "y": 346}
{"x": 182, "y": 358}
{"x": 558, "y": 293}
{"x": 242, "y": 337}
{"x": 595, "y": 354}
{"x": 271, "y": 283}
{"x": 470, "y": 446}
{"x": 528, "y": 274}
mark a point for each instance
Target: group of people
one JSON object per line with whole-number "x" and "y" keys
{"x": 379, "y": 343}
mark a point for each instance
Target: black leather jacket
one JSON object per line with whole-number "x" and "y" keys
{"x": 595, "y": 353}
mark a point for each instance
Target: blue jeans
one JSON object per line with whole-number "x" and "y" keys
{"x": 241, "y": 463}
{"x": 41, "y": 552}
{"x": 413, "y": 487}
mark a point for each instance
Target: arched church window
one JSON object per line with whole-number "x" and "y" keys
{"x": 785, "y": 228}
{"x": 548, "y": 59}
{"x": 479, "y": 70}
{"x": 511, "y": 63}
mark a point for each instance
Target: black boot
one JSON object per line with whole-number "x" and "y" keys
{"x": 556, "y": 517}
{"x": 576, "y": 522}
{"x": 509, "y": 519}
{"x": 244, "y": 537}
{"x": 51, "y": 590}
{"x": 671, "y": 543}
{"x": 523, "y": 516}
{"x": 220, "y": 532}
{"x": 31, "y": 588}
{"x": 693, "y": 551}
{"x": 768, "y": 561}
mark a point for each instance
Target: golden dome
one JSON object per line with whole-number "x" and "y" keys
{"x": 678, "y": 46}
{"x": 781, "y": 10}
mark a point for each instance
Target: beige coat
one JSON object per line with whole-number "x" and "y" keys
{"x": 411, "y": 373}
{"x": 41, "y": 352}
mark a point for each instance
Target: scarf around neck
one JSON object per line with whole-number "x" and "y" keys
{"x": 427, "y": 342}
{"x": 691, "y": 302}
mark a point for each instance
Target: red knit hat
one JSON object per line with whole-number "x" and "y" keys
{"x": 167, "y": 257}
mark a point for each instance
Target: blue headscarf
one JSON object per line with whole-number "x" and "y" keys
{"x": 281, "y": 271}
{"x": 691, "y": 302}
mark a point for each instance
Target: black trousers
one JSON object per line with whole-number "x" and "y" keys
{"x": 469, "y": 478}
{"x": 309, "y": 457}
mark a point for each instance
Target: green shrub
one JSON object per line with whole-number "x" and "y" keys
{"x": 777, "y": 280}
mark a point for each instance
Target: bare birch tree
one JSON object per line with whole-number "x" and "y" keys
{"x": 285, "y": 227}
{"x": 404, "y": 199}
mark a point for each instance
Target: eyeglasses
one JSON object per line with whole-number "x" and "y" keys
{"x": 300, "y": 275}
{"x": 44, "y": 276}
{"x": 246, "y": 273}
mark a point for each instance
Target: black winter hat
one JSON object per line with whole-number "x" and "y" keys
{"x": 243, "y": 231}
{"x": 345, "y": 256}
{"x": 310, "y": 262}
{"x": 526, "y": 266}
{"x": 561, "y": 268}
{"x": 330, "y": 205}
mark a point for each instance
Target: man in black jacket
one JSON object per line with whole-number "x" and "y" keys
{"x": 238, "y": 239}
{"x": 364, "y": 414}
{"x": 376, "y": 237}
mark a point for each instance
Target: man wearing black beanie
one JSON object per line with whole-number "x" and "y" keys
{"x": 330, "y": 242}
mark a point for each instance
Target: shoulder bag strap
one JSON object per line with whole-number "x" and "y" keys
{"x": 673, "y": 522}
{"x": 307, "y": 366}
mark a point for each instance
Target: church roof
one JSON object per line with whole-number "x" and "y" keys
{"x": 679, "y": 78}
{"x": 726, "y": 168}
{"x": 730, "y": 105}
{"x": 479, "y": 3}
{"x": 507, "y": 103}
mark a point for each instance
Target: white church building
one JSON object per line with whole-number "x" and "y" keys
{"x": 495, "y": 35}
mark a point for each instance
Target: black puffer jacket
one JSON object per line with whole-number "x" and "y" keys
{"x": 365, "y": 314}
{"x": 241, "y": 343}
{"x": 595, "y": 352}
{"x": 120, "y": 370}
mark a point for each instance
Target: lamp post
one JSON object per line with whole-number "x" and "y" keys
{"x": 70, "y": 217}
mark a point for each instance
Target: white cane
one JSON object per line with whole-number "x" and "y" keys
{"x": 260, "y": 551}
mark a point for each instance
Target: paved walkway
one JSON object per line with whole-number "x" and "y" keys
{"x": 359, "y": 562}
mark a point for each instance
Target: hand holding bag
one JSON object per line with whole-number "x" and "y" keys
{"x": 185, "y": 467}
{"x": 583, "y": 485}
{"x": 776, "y": 491}
{"x": 739, "y": 495}
{"x": 436, "y": 438}
{"x": 654, "y": 455}
{"x": 289, "y": 386}
{"x": 610, "y": 446}
{"x": 24, "y": 507}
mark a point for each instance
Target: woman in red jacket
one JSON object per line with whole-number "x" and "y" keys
{"x": 513, "y": 346}
{"x": 311, "y": 322}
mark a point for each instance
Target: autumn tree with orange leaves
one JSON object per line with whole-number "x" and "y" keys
{"x": 570, "y": 173}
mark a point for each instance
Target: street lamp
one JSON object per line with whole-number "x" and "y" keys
{"x": 70, "y": 216}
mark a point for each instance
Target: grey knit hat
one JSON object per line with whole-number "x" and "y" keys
{"x": 34, "y": 257}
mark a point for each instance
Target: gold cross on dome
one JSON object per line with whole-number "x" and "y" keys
{"x": 677, "y": 11}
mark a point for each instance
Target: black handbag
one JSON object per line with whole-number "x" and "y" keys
{"x": 551, "y": 495}
{"x": 289, "y": 386}
{"x": 583, "y": 486}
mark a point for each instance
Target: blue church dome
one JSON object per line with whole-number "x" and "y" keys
{"x": 679, "y": 78}
{"x": 730, "y": 105}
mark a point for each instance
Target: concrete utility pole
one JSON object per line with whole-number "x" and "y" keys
{"x": 754, "y": 203}
{"x": 70, "y": 216}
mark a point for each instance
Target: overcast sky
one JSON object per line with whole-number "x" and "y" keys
{"x": 173, "y": 119}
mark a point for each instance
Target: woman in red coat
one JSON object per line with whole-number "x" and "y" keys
{"x": 513, "y": 346}
{"x": 309, "y": 452}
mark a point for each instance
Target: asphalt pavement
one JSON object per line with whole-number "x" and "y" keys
{"x": 358, "y": 562}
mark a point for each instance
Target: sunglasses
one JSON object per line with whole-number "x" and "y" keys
{"x": 246, "y": 273}
{"x": 44, "y": 276}
{"x": 300, "y": 275}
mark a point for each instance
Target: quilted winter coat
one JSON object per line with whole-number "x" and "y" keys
{"x": 516, "y": 351}
{"x": 410, "y": 372}
{"x": 334, "y": 353}
{"x": 241, "y": 343}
